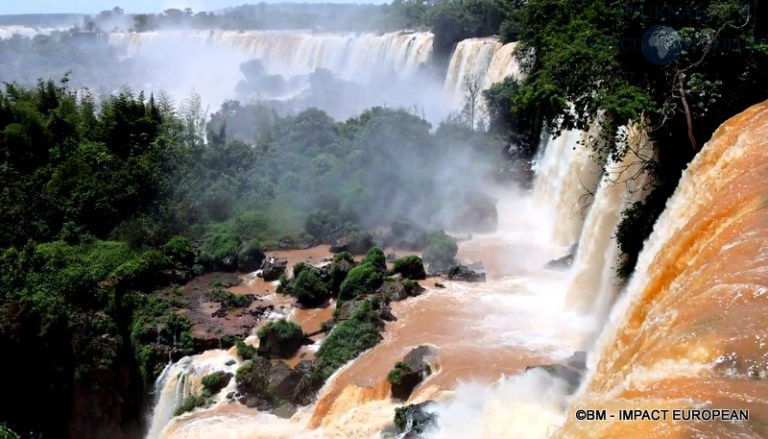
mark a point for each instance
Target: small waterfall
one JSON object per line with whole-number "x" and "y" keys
{"x": 171, "y": 387}
{"x": 566, "y": 177}
{"x": 593, "y": 284}
{"x": 481, "y": 61}
{"x": 180, "y": 380}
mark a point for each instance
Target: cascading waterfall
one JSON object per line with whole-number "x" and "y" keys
{"x": 690, "y": 329}
{"x": 593, "y": 285}
{"x": 182, "y": 379}
{"x": 354, "y": 57}
{"x": 566, "y": 175}
{"x": 24, "y": 31}
{"x": 481, "y": 62}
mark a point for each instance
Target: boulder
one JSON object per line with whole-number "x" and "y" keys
{"x": 252, "y": 379}
{"x": 465, "y": 274}
{"x": 282, "y": 381}
{"x": 563, "y": 262}
{"x": 272, "y": 268}
{"x": 399, "y": 289}
{"x": 280, "y": 339}
{"x": 250, "y": 257}
{"x": 571, "y": 370}
{"x": 412, "y": 421}
{"x": 407, "y": 374}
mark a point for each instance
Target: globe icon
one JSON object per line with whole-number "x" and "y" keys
{"x": 661, "y": 44}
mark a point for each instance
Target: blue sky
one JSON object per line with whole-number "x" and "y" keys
{"x": 92, "y": 6}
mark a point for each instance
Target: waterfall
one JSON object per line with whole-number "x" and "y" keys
{"x": 481, "y": 61}
{"x": 593, "y": 285}
{"x": 182, "y": 379}
{"x": 690, "y": 330}
{"x": 354, "y": 57}
{"x": 566, "y": 175}
{"x": 25, "y": 31}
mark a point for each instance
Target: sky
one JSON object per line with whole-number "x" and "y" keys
{"x": 93, "y": 6}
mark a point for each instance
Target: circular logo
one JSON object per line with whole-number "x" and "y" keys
{"x": 661, "y": 44}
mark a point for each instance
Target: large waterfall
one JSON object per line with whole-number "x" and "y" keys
{"x": 690, "y": 330}
{"x": 354, "y": 57}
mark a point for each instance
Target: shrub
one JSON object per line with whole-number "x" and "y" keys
{"x": 179, "y": 250}
{"x": 251, "y": 376}
{"x": 308, "y": 288}
{"x": 410, "y": 267}
{"x": 375, "y": 257}
{"x": 244, "y": 350}
{"x": 361, "y": 279}
{"x": 227, "y": 298}
{"x": 395, "y": 374}
{"x": 322, "y": 225}
{"x": 348, "y": 339}
{"x": 214, "y": 382}
{"x": 280, "y": 339}
{"x": 250, "y": 256}
{"x": 220, "y": 248}
{"x": 342, "y": 263}
{"x": 441, "y": 248}
{"x": 143, "y": 271}
{"x": 190, "y": 403}
{"x": 299, "y": 267}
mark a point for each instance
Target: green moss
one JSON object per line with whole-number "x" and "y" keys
{"x": 190, "y": 403}
{"x": 360, "y": 280}
{"x": 281, "y": 329}
{"x": 244, "y": 350}
{"x": 396, "y": 373}
{"x": 143, "y": 271}
{"x": 220, "y": 247}
{"x": 375, "y": 257}
{"x": 214, "y": 382}
{"x": 349, "y": 339}
{"x": 441, "y": 248}
{"x": 308, "y": 288}
{"x": 179, "y": 250}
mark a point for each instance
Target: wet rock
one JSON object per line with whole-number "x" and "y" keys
{"x": 465, "y": 274}
{"x": 230, "y": 362}
{"x": 285, "y": 411}
{"x": 280, "y": 339}
{"x": 578, "y": 360}
{"x": 225, "y": 280}
{"x": 407, "y": 374}
{"x": 272, "y": 268}
{"x": 250, "y": 257}
{"x": 397, "y": 289}
{"x": 282, "y": 382}
{"x": 382, "y": 309}
{"x": 252, "y": 377}
{"x": 564, "y": 262}
{"x": 571, "y": 370}
{"x": 216, "y": 381}
{"x": 355, "y": 243}
{"x": 414, "y": 420}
